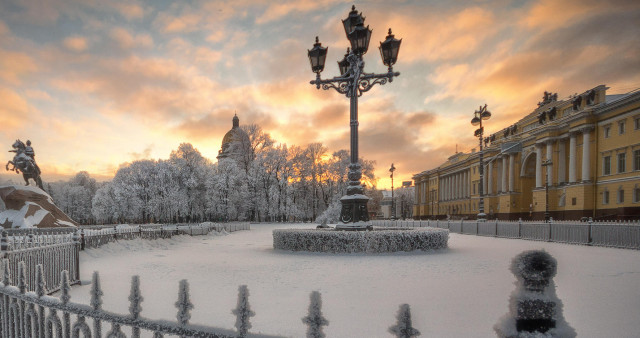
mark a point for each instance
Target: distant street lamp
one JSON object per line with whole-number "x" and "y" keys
{"x": 546, "y": 163}
{"x": 478, "y": 117}
{"x": 393, "y": 210}
{"x": 353, "y": 82}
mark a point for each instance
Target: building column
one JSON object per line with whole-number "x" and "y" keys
{"x": 466, "y": 184}
{"x": 572, "y": 158}
{"x": 538, "y": 165}
{"x": 562, "y": 161}
{"x": 489, "y": 178}
{"x": 512, "y": 172}
{"x": 550, "y": 157}
{"x": 504, "y": 174}
{"x": 586, "y": 159}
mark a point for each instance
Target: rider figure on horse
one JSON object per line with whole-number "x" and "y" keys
{"x": 24, "y": 161}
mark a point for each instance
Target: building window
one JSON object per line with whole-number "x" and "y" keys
{"x": 636, "y": 194}
{"x": 606, "y": 131}
{"x": 621, "y": 127}
{"x": 636, "y": 123}
{"x": 606, "y": 165}
{"x": 622, "y": 162}
{"x": 620, "y": 195}
{"x": 574, "y": 201}
{"x": 474, "y": 188}
{"x": 636, "y": 159}
{"x": 605, "y": 197}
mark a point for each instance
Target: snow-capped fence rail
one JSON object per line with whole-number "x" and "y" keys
{"x": 96, "y": 236}
{"x": 56, "y": 252}
{"x": 625, "y": 234}
{"x": 33, "y": 314}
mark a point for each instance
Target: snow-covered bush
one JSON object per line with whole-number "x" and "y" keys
{"x": 378, "y": 240}
{"x": 535, "y": 311}
{"x": 314, "y": 320}
{"x": 404, "y": 328}
{"x": 330, "y": 215}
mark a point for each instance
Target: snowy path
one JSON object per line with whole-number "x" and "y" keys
{"x": 458, "y": 292}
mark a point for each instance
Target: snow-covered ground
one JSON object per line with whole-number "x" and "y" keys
{"x": 458, "y": 292}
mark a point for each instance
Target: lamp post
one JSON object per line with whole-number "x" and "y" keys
{"x": 393, "y": 210}
{"x": 546, "y": 163}
{"x": 478, "y": 117}
{"x": 353, "y": 82}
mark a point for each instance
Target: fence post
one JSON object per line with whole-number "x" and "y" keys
{"x": 78, "y": 245}
{"x": 550, "y": 222}
{"x": 4, "y": 244}
{"x": 520, "y": 227}
{"x": 590, "y": 238}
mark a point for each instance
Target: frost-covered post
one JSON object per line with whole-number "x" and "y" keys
{"x": 4, "y": 243}
{"x": 315, "y": 320}
{"x": 96, "y": 302}
{"x": 41, "y": 290}
{"x": 65, "y": 288}
{"x": 404, "y": 328}
{"x": 534, "y": 307}
{"x": 243, "y": 311}
{"x": 184, "y": 303}
{"x": 135, "y": 298}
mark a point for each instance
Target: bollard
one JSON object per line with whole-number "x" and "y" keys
{"x": 534, "y": 308}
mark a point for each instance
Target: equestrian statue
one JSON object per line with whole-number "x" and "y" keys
{"x": 24, "y": 161}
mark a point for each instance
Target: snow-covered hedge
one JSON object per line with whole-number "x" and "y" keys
{"x": 378, "y": 240}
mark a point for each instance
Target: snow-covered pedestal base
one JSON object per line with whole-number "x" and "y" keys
{"x": 377, "y": 240}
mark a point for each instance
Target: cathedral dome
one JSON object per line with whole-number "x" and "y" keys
{"x": 235, "y": 135}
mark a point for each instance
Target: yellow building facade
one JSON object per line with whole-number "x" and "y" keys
{"x": 586, "y": 147}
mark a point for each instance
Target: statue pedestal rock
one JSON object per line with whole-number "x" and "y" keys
{"x": 30, "y": 207}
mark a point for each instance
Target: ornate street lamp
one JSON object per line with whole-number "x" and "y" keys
{"x": 393, "y": 210}
{"x": 353, "y": 82}
{"x": 317, "y": 56}
{"x": 478, "y": 117}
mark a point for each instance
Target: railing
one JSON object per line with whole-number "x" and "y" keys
{"x": 96, "y": 236}
{"x": 624, "y": 234}
{"x": 59, "y": 252}
{"x": 32, "y": 314}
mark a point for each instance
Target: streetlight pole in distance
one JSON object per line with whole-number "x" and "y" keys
{"x": 478, "y": 117}
{"x": 353, "y": 82}
{"x": 393, "y": 210}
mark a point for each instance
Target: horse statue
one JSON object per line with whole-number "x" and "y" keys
{"x": 24, "y": 162}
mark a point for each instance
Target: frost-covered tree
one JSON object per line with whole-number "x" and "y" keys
{"x": 404, "y": 327}
{"x": 243, "y": 311}
{"x": 315, "y": 320}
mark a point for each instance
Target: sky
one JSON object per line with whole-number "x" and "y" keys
{"x": 94, "y": 84}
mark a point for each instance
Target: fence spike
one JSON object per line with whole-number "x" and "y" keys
{"x": 22, "y": 277}
{"x": 404, "y": 328}
{"x": 184, "y": 304}
{"x": 65, "y": 287}
{"x": 41, "y": 286}
{"x": 96, "y": 292}
{"x": 315, "y": 320}
{"x": 243, "y": 311}
{"x": 135, "y": 297}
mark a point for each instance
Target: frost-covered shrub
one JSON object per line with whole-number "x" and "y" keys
{"x": 379, "y": 240}
{"x": 534, "y": 308}
{"x": 331, "y": 215}
{"x": 404, "y": 328}
{"x": 315, "y": 320}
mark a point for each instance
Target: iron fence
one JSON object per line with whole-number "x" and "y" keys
{"x": 25, "y": 314}
{"x": 621, "y": 234}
